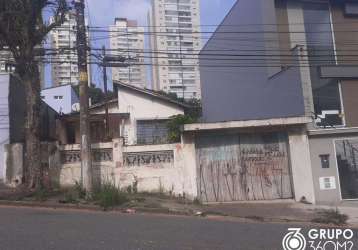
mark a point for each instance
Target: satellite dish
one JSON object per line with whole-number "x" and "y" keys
{"x": 76, "y": 107}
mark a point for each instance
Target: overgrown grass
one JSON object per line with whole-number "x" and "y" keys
{"x": 107, "y": 195}
{"x": 332, "y": 216}
{"x": 74, "y": 195}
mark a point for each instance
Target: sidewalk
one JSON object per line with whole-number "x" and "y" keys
{"x": 269, "y": 211}
{"x": 349, "y": 208}
{"x": 275, "y": 211}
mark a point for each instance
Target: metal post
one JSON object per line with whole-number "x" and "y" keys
{"x": 105, "y": 93}
{"x": 86, "y": 163}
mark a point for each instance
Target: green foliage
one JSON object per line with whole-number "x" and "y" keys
{"x": 69, "y": 197}
{"x": 172, "y": 96}
{"x": 81, "y": 192}
{"x": 73, "y": 195}
{"x": 133, "y": 188}
{"x": 197, "y": 202}
{"x": 330, "y": 216}
{"x": 108, "y": 196}
{"x": 96, "y": 94}
{"x": 195, "y": 111}
{"x": 41, "y": 194}
{"x": 174, "y": 126}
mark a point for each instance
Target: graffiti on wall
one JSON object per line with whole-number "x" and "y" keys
{"x": 147, "y": 158}
{"x": 98, "y": 155}
{"x": 245, "y": 168}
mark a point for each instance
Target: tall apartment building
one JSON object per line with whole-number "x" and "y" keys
{"x": 64, "y": 64}
{"x": 6, "y": 65}
{"x": 5, "y": 59}
{"x": 127, "y": 40}
{"x": 175, "y": 42}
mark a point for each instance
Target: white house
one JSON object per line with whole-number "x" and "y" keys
{"x": 138, "y": 115}
{"x": 149, "y": 113}
{"x": 61, "y": 98}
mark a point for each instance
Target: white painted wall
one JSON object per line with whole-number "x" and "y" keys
{"x": 4, "y": 120}
{"x": 143, "y": 107}
{"x": 63, "y": 105}
{"x": 177, "y": 177}
{"x": 301, "y": 165}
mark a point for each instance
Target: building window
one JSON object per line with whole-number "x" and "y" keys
{"x": 326, "y": 93}
{"x": 152, "y": 132}
{"x": 324, "y": 160}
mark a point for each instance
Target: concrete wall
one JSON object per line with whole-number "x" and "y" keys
{"x": 325, "y": 145}
{"x": 302, "y": 176}
{"x": 4, "y": 120}
{"x": 255, "y": 91}
{"x": 177, "y": 177}
{"x": 142, "y": 107}
{"x": 63, "y": 105}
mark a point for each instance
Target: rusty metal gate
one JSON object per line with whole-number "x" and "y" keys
{"x": 242, "y": 167}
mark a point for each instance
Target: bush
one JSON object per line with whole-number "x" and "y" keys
{"x": 41, "y": 194}
{"x": 81, "y": 192}
{"x": 331, "y": 217}
{"x": 69, "y": 197}
{"x": 174, "y": 126}
{"x": 74, "y": 194}
{"x": 108, "y": 196}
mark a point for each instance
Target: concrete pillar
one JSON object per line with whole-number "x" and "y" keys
{"x": 299, "y": 47}
{"x": 190, "y": 168}
{"x": 14, "y": 157}
{"x": 301, "y": 165}
{"x": 118, "y": 144}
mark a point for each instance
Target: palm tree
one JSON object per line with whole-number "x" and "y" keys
{"x": 22, "y": 31}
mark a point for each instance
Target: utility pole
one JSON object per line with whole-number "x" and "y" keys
{"x": 105, "y": 93}
{"x": 86, "y": 160}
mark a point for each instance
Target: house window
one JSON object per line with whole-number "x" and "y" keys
{"x": 152, "y": 132}
{"x": 324, "y": 161}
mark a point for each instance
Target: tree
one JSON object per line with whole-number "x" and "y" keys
{"x": 23, "y": 31}
{"x": 96, "y": 94}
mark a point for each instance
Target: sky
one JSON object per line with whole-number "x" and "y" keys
{"x": 102, "y": 13}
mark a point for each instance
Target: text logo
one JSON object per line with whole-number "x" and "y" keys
{"x": 294, "y": 240}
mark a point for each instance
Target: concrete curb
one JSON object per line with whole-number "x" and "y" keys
{"x": 50, "y": 206}
{"x": 160, "y": 211}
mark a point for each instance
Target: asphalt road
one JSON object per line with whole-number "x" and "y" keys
{"x": 38, "y": 229}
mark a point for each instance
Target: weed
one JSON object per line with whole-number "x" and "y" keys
{"x": 197, "y": 202}
{"x": 332, "y": 216}
{"x": 69, "y": 197}
{"x": 81, "y": 192}
{"x": 129, "y": 189}
{"x": 108, "y": 196}
{"x": 41, "y": 194}
{"x": 135, "y": 186}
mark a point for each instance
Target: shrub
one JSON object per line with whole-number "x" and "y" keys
{"x": 108, "y": 196}
{"x": 81, "y": 192}
{"x": 69, "y": 197}
{"x": 41, "y": 194}
{"x": 174, "y": 126}
{"x": 330, "y": 217}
